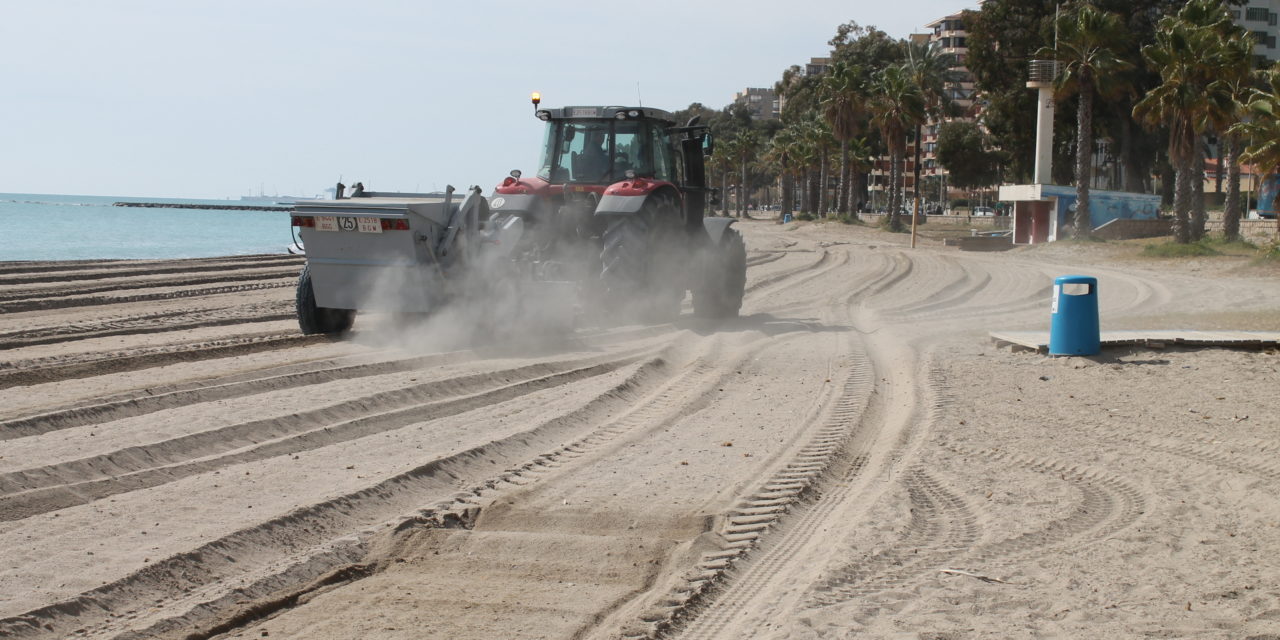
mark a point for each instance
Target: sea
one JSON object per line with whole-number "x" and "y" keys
{"x": 61, "y": 227}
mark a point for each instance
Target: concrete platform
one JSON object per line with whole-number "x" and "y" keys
{"x": 980, "y": 243}
{"x": 1039, "y": 340}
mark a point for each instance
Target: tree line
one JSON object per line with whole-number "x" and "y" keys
{"x": 1158, "y": 80}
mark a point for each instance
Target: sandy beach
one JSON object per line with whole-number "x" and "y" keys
{"x": 853, "y": 457}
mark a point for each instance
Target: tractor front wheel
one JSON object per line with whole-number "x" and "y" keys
{"x": 313, "y": 319}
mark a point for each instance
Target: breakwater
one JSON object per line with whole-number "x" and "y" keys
{"x": 225, "y": 207}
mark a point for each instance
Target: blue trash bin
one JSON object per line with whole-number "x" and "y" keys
{"x": 1073, "y": 329}
{"x": 786, "y": 217}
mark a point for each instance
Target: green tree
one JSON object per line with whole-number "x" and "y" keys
{"x": 1190, "y": 57}
{"x": 1088, "y": 65}
{"x": 1262, "y": 127}
{"x": 1237, "y": 83}
{"x": 720, "y": 165}
{"x": 844, "y": 103}
{"x": 897, "y": 104}
{"x": 782, "y": 156}
{"x": 861, "y": 159}
{"x": 746, "y": 146}
{"x": 1003, "y": 34}
{"x": 931, "y": 70}
{"x": 818, "y": 144}
{"x": 963, "y": 149}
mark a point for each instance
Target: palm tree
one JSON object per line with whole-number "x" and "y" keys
{"x": 843, "y": 105}
{"x": 1236, "y": 84}
{"x": 1189, "y": 57}
{"x": 811, "y": 152}
{"x": 861, "y": 159}
{"x": 897, "y": 105}
{"x": 1262, "y": 128}
{"x": 1088, "y": 65}
{"x": 781, "y": 157}
{"x": 931, "y": 70}
{"x": 806, "y": 156}
{"x": 746, "y": 145}
{"x": 721, "y": 163}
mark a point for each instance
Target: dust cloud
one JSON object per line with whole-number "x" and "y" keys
{"x": 535, "y": 295}
{"x": 492, "y": 302}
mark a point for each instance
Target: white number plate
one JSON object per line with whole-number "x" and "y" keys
{"x": 348, "y": 223}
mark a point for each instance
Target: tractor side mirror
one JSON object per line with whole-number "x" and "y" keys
{"x": 708, "y": 145}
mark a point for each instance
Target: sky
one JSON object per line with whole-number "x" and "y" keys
{"x": 223, "y": 98}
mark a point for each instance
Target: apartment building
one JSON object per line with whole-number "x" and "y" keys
{"x": 948, "y": 34}
{"x": 1261, "y": 17}
{"x": 762, "y": 103}
{"x": 817, "y": 66}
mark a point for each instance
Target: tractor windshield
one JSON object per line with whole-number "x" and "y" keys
{"x": 602, "y": 151}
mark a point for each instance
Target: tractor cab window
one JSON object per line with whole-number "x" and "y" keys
{"x": 663, "y": 165}
{"x": 602, "y": 151}
{"x": 581, "y": 151}
{"x": 585, "y": 151}
{"x": 628, "y": 150}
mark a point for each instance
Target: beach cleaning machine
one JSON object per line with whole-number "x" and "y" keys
{"x": 613, "y": 224}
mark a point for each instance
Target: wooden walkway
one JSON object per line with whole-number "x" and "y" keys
{"x": 1039, "y": 340}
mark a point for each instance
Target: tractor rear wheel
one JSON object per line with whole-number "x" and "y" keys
{"x": 313, "y": 319}
{"x": 724, "y": 280}
{"x": 635, "y": 268}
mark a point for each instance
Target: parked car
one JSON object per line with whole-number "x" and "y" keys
{"x": 982, "y": 211}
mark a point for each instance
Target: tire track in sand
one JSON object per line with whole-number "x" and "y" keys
{"x": 149, "y": 323}
{"x": 203, "y": 584}
{"x": 82, "y": 365}
{"x": 93, "y": 270}
{"x": 942, "y": 526}
{"x": 661, "y": 403}
{"x": 16, "y": 304}
{"x": 505, "y": 503}
{"x": 39, "y": 490}
{"x": 709, "y": 600}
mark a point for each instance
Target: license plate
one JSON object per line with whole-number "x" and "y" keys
{"x": 348, "y": 223}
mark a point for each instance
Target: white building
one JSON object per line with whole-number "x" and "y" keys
{"x": 1261, "y": 17}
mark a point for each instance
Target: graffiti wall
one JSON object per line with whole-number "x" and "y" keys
{"x": 1104, "y": 206}
{"x": 1267, "y": 195}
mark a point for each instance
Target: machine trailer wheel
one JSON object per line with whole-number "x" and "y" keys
{"x": 724, "y": 281}
{"x": 313, "y": 319}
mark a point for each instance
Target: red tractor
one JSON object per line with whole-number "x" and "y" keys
{"x": 618, "y": 206}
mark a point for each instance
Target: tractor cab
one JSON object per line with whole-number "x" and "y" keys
{"x": 604, "y": 145}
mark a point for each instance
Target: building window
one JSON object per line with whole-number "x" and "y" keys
{"x": 959, "y": 43}
{"x": 1256, "y": 13}
{"x": 1271, "y": 19}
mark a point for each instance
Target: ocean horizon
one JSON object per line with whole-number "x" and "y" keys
{"x": 74, "y": 227}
